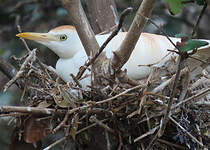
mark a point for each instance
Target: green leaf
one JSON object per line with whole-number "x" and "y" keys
{"x": 193, "y": 44}
{"x": 175, "y": 5}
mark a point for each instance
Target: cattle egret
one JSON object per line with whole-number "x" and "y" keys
{"x": 65, "y": 42}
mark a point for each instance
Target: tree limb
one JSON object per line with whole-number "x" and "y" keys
{"x": 123, "y": 53}
{"x": 79, "y": 19}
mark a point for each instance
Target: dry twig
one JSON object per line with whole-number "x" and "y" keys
{"x": 31, "y": 58}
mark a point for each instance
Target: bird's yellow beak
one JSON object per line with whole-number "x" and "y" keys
{"x": 44, "y": 37}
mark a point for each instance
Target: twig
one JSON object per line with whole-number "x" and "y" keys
{"x": 78, "y": 17}
{"x": 194, "y": 97}
{"x": 55, "y": 143}
{"x": 199, "y": 19}
{"x": 167, "y": 82}
{"x": 202, "y": 61}
{"x": 114, "y": 33}
{"x": 172, "y": 144}
{"x": 62, "y": 123}
{"x": 22, "y": 39}
{"x": 185, "y": 131}
{"x": 10, "y": 71}
{"x": 34, "y": 110}
{"x": 160, "y": 29}
{"x": 43, "y": 66}
{"x": 76, "y": 80}
{"x": 185, "y": 84}
{"x": 15, "y": 114}
{"x": 128, "y": 44}
{"x": 152, "y": 131}
{"x": 170, "y": 102}
{"x": 118, "y": 95}
{"x": 165, "y": 119}
{"x": 50, "y": 111}
{"x": 145, "y": 90}
{"x": 94, "y": 119}
{"x": 92, "y": 125}
{"x": 152, "y": 142}
{"x": 31, "y": 58}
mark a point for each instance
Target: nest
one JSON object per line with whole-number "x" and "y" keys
{"x": 132, "y": 116}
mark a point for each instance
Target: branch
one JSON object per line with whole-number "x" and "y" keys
{"x": 10, "y": 71}
{"x": 114, "y": 33}
{"x": 170, "y": 102}
{"x": 123, "y": 53}
{"x": 185, "y": 131}
{"x": 30, "y": 58}
{"x": 199, "y": 19}
{"x": 79, "y": 19}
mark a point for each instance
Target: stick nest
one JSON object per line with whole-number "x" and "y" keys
{"x": 131, "y": 115}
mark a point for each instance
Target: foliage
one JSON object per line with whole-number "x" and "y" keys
{"x": 193, "y": 44}
{"x": 176, "y": 6}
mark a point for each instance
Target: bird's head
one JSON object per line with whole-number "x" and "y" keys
{"x": 62, "y": 40}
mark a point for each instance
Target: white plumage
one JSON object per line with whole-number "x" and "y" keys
{"x": 65, "y": 42}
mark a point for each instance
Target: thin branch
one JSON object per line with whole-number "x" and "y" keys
{"x": 90, "y": 126}
{"x": 22, "y": 39}
{"x": 173, "y": 93}
{"x": 101, "y": 124}
{"x": 172, "y": 144}
{"x": 170, "y": 102}
{"x": 49, "y": 111}
{"x": 185, "y": 131}
{"x": 62, "y": 123}
{"x": 120, "y": 94}
{"x": 114, "y": 33}
{"x": 169, "y": 81}
{"x": 161, "y": 30}
{"x": 194, "y": 97}
{"x": 123, "y": 53}
{"x": 199, "y": 19}
{"x": 150, "y": 132}
{"x": 10, "y": 71}
{"x": 55, "y": 143}
{"x": 34, "y": 110}
{"x": 31, "y": 58}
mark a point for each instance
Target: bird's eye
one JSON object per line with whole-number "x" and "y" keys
{"x": 63, "y": 37}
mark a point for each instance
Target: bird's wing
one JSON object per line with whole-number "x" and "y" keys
{"x": 204, "y": 52}
{"x": 150, "y": 49}
{"x": 65, "y": 67}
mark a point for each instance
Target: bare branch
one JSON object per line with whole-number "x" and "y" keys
{"x": 114, "y": 33}
{"x": 122, "y": 55}
{"x": 79, "y": 19}
{"x": 10, "y": 71}
{"x": 31, "y": 58}
{"x": 185, "y": 131}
